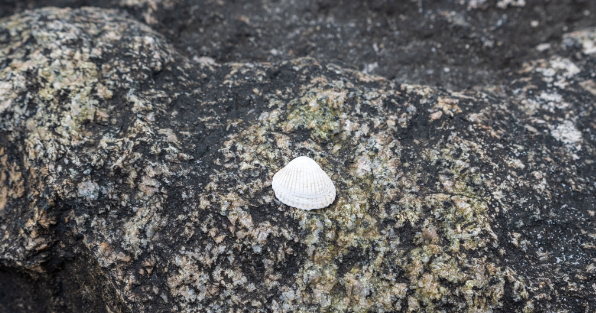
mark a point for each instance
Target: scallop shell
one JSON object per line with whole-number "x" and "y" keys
{"x": 304, "y": 185}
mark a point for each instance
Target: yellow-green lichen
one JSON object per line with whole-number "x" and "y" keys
{"x": 447, "y": 212}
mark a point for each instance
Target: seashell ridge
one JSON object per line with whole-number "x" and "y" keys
{"x": 304, "y": 185}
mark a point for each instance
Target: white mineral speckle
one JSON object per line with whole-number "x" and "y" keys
{"x": 503, "y": 4}
{"x": 88, "y": 190}
{"x": 568, "y": 134}
{"x": 363, "y": 166}
{"x": 585, "y": 37}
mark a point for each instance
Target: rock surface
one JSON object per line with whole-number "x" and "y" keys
{"x": 456, "y": 44}
{"x": 136, "y": 179}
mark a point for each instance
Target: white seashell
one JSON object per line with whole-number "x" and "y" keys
{"x": 304, "y": 185}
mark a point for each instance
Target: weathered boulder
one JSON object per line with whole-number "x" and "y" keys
{"x": 456, "y": 44}
{"x": 139, "y": 180}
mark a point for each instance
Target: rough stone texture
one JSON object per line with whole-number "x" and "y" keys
{"x": 456, "y": 44}
{"x": 135, "y": 179}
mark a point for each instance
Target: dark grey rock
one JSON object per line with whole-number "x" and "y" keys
{"x": 457, "y": 44}
{"x": 133, "y": 178}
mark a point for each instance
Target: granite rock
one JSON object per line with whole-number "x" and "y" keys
{"x": 456, "y": 44}
{"x": 137, "y": 179}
